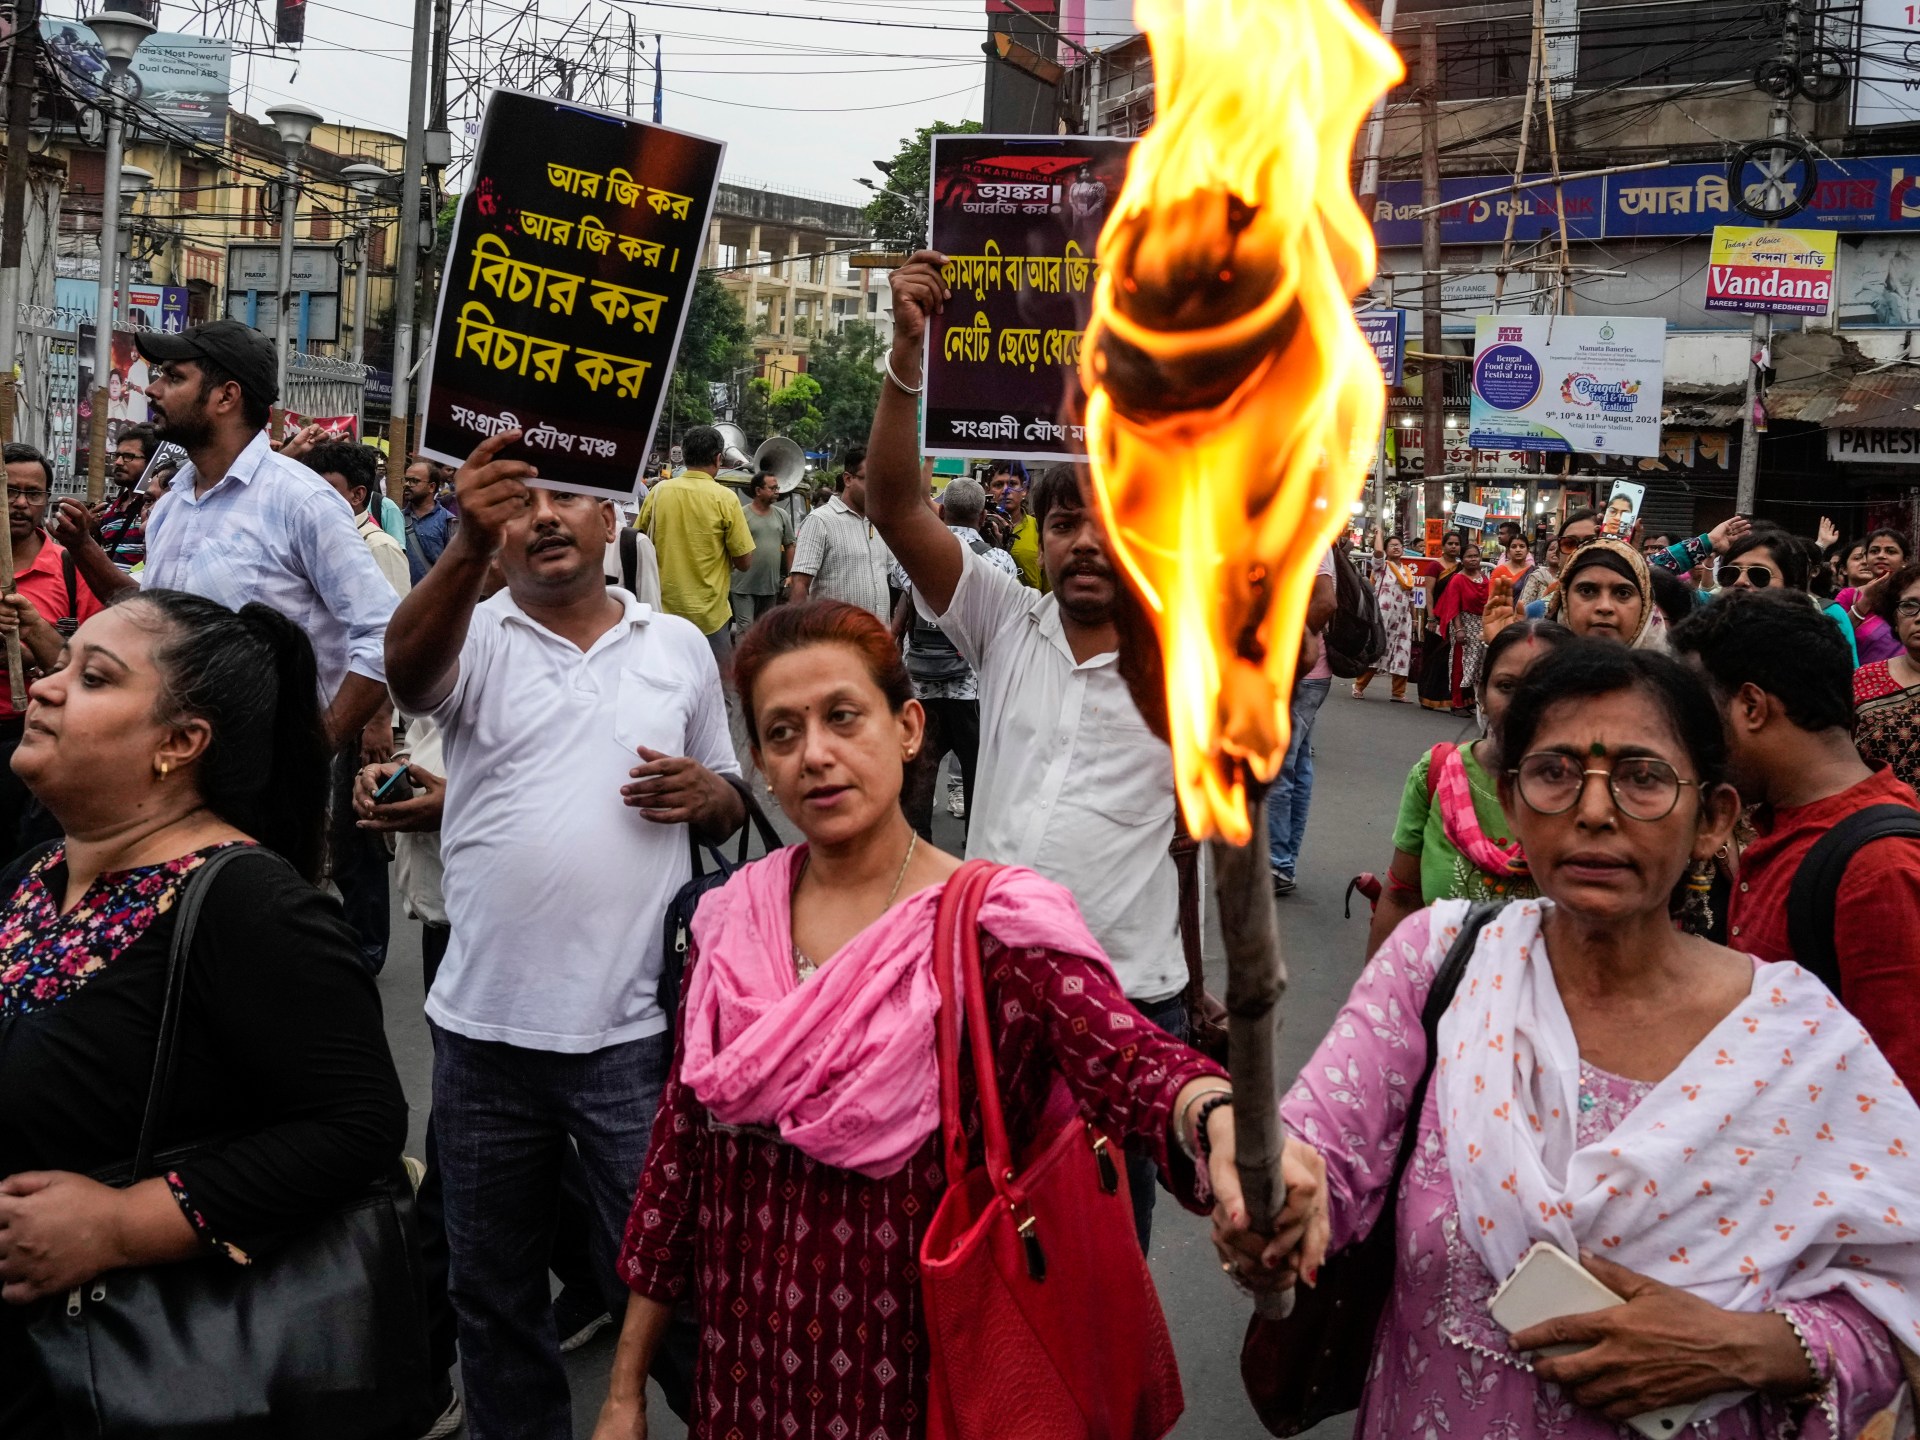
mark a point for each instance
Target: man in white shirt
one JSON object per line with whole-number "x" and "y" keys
{"x": 584, "y": 732}
{"x": 840, "y": 554}
{"x": 353, "y": 470}
{"x": 1069, "y": 780}
{"x": 242, "y": 523}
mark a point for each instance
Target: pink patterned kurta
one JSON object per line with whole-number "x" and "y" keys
{"x": 1442, "y": 1367}
{"x": 806, "y": 1275}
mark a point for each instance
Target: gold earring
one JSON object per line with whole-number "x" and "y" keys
{"x": 163, "y": 767}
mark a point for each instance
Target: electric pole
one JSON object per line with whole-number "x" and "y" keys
{"x": 1369, "y": 198}
{"x": 1748, "y": 484}
{"x": 13, "y": 201}
{"x": 1433, "y": 371}
{"x": 407, "y": 278}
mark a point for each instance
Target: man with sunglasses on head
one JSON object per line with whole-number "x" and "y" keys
{"x": 1784, "y": 684}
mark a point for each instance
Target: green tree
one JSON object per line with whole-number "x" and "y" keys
{"x": 713, "y": 347}
{"x": 900, "y": 219}
{"x": 847, "y": 365}
{"x": 788, "y": 411}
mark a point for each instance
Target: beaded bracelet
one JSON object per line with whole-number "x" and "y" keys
{"x": 1212, "y": 1103}
{"x": 1184, "y": 1131}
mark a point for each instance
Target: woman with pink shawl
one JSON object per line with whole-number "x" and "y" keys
{"x": 796, "y": 1159}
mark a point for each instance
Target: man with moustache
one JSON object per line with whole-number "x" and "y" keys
{"x": 1069, "y": 781}
{"x": 583, "y": 733}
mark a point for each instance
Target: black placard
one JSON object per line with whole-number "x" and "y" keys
{"x": 567, "y": 286}
{"x": 1018, "y": 218}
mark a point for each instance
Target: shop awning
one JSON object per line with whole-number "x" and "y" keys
{"x": 1879, "y": 400}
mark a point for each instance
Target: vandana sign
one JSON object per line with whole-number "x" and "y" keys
{"x": 1786, "y": 272}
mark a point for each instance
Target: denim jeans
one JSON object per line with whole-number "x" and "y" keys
{"x": 504, "y": 1119}
{"x": 1292, "y": 792}
{"x": 1143, "y": 1175}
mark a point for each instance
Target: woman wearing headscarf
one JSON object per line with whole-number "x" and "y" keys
{"x": 1606, "y": 591}
{"x": 1458, "y": 613}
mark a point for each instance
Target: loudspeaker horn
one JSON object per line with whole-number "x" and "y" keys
{"x": 788, "y": 461}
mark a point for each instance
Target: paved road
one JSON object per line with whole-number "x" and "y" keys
{"x": 1362, "y": 752}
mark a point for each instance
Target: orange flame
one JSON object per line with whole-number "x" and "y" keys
{"x": 1233, "y": 405}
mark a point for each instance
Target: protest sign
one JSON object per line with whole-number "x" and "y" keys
{"x": 1469, "y": 516}
{"x": 1018, "y": 218}
{"x": 338, "y": 427}
{"x": 567, "y": 286}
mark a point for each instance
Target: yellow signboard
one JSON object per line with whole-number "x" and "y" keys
{"x": 1788, "y": 272}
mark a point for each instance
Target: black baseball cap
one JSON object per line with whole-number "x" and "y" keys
{"x": 240, "y": 350}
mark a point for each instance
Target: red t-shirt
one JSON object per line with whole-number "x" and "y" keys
{"x": 1876, "y": 914}
{"x": 44, "y": 583}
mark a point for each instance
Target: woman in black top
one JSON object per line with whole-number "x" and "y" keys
{"x": 173, "y": 728}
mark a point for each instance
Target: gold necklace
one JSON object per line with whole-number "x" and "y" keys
{"x": 806, "y": 968}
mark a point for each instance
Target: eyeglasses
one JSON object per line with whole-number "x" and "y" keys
{"x": 1642, "y": 788}
{"x": 1908, "y": 609}
{"x": 1571, "y": 543}
{"x": 1758, "y": 576}
{"x": 31, "y": 497}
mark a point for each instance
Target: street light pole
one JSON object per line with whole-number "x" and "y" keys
{"x": 295, "y": 124}
{"x": 367, "y": 181}
{"x": 406, "y": 281}
{"x": 120, "y": 33}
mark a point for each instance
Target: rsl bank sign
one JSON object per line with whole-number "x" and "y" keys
{"x": 1783, "y": 272}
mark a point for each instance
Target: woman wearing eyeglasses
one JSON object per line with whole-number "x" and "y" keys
{"x": 1713, "y": 1138}
{"x": 1886, "y": 693}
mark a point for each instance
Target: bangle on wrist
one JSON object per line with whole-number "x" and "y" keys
{"x": 900, "y": 384}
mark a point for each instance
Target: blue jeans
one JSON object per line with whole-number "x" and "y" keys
{"x": 504, "y": 1118}
{"x": 1292, "y": 792}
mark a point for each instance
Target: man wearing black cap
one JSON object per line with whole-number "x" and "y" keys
{"x": 240, "y": 523}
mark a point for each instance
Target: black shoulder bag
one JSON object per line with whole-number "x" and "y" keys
{"x": 1313, "y": 1364}
{"x": 320, "y": 1338}
{"x": 679, "y": 922}
{"x": 1815, "y": 892}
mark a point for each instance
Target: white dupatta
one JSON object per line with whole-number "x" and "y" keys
{"x": 1779, "y": 1161}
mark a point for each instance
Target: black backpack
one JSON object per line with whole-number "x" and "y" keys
{"x": 1816, "y": 884}
{"x": 1356, "y": 637}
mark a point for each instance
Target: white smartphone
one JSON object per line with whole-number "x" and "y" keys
{"x": 1549, "y": 1283}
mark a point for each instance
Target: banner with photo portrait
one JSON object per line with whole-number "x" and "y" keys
{"x": 1018, "y": 218}
{"x": 567, "y": 286}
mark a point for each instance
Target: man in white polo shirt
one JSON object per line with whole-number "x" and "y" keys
{"x": 840, "y": 554}
{"x": 584, "y": 732}
{"x": 1070, "y": 781}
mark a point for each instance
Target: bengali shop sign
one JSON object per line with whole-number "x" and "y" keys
{"x": 1386, "y": 332}
{"x": 1018, "y": 218}
{"x": 572, "y": 263}
{"x": 1567, "y": 383}
{"x": 1787, "y": 272}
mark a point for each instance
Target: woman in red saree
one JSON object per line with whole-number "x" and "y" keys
{"x": 1458, "y": 615}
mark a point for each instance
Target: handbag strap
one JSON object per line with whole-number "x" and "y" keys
{"x": 186, "y": 917}
{"x": 1446, "y": 982}
{"x": 956, "y": 949}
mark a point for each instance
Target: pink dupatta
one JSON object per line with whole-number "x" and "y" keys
{"x": 842, "y": 1067}
{"x": 1453, "y": 791}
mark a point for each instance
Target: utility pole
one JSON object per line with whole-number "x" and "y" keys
{"x": 407, "y": 280}
{"x": 1744, "y": 494}
{"x": 1369, "y": 198}
{"x": 13, "y": 219}
{"x": 1433, "y": 384}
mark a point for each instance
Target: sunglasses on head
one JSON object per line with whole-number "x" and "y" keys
{"x": 1571, "y": 543}
{"x": 1758, "y": 576}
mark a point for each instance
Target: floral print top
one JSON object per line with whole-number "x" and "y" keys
{"x": 47, "y": 957}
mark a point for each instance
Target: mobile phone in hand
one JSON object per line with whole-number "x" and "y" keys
{"x": 397, "y": 786}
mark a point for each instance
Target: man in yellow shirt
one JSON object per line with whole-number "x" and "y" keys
{"x": 1010, "y": 526}
{"x": 700, "y": 531}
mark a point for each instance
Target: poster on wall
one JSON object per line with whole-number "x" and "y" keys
{"x": 1879, "y": 280}
{"x": 1784, "y": 272}
{"x": 1588, "y": 384}
{"x": 1018, "y": 218}
{"x": 568, "y": 282}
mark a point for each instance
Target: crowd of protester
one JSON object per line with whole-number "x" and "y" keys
{"x": 1608, "y": 1004}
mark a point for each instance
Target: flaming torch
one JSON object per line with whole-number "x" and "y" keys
{"x": 1233, "y": 408}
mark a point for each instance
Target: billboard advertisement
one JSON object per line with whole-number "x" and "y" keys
{"x": 1588, "y": 384}
{"x": 1785, "y": 272}
{"x": 1386, "y": 332}
{"x": 179, "y": 83}
{"x": 143, "y": 307}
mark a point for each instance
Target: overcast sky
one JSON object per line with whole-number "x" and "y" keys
{"x": 802, "y": 102}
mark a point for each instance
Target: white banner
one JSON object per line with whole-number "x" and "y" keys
{"x": 1886, "y": 86}
{"x": 1586, "y": 384}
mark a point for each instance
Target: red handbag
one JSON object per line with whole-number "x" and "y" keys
{"x": 1042, "y": 1320}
